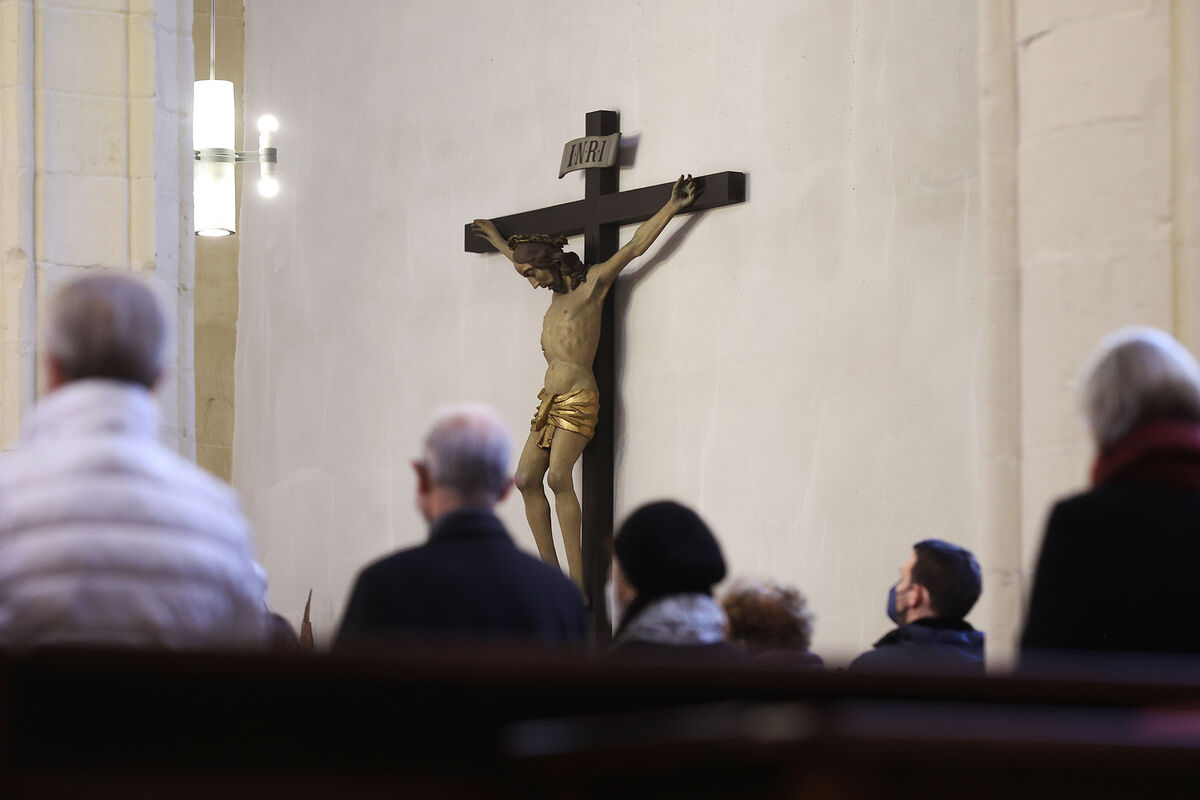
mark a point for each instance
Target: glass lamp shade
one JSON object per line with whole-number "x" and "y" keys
{"x": 213, "y": 187}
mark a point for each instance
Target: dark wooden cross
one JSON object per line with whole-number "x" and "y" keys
{"x": 599, "y": 217}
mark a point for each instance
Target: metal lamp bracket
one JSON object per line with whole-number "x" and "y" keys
{"x": 223, "y": 155}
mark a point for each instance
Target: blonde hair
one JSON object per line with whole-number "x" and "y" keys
{"x": 766, "y": 615}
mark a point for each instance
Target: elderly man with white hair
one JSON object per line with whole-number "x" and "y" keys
{"x": 1118, "y": 565}
{"x": 469, "y": 582}
{"x": 106, "y": 536}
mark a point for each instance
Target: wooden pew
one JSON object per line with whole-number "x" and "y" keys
{"x": 465, "y": 722}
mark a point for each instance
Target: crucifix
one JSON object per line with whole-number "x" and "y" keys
{"x": 578, "y": 408}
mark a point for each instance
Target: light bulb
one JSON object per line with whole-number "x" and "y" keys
{"x": 267, "y": 123}
{"x": 268, "y": 186}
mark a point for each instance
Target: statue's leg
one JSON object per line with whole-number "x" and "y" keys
{"x": 531, "y": 469}
{"x": 565, "y": 450}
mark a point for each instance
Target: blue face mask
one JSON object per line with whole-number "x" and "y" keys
{"x": 894, "y": 613}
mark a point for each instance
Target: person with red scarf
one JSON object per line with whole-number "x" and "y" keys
{"x": 1118, "y": 564}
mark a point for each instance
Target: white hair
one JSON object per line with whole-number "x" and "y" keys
{"x": 1136, "y": 375}
{"x": 108, "y": 325}
{"x": 467, "y": 450}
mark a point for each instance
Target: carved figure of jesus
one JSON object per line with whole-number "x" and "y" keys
{"x": 569, "y": 403}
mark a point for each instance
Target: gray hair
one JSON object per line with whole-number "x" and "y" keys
{"x": 1136, "y": 375}
{"x": 467, "y": 450}
{"x": 108, "y": 325}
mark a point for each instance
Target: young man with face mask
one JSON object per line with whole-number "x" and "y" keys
{"x": 938, "y": 586}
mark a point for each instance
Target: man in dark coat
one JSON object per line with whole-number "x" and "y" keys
{"x": 469, "y": 582}
{"x": 938, "y": 586}
{"x": 1117, "y": 570}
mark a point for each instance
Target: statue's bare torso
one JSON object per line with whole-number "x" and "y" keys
{"x": 570, "y": 336}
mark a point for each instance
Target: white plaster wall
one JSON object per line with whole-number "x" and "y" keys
{"x": 805, "y": 368}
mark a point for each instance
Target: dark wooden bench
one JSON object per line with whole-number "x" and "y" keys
{"x": 462, "y": 722}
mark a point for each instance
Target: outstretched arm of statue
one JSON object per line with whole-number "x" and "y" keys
{"x": 486, "y": 229}
{"x": 683, "y": 194}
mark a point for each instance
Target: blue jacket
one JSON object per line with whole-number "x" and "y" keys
{"x": 933, "y": 644}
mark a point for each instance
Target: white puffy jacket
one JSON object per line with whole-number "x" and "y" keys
{"x": 106, "y": 536}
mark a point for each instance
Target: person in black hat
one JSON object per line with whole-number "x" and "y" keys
{"x": 665, "y": 564}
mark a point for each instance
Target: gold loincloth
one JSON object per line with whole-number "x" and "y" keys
{"x": 576, "y": 411}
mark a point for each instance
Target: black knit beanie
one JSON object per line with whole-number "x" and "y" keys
{"x": 665, "y": 548}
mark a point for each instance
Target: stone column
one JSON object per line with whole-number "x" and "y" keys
{"x": 18, "y": 318}
{"x": 1185, "y": 152}
{"x": 1000, "y": 403}
{"x": 95, "y": 134}
{"x": 1095, "y": 213}
{"x": 1090, "y": 187}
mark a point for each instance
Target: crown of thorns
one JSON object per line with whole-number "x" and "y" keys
{"x": 538, "y": 238}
